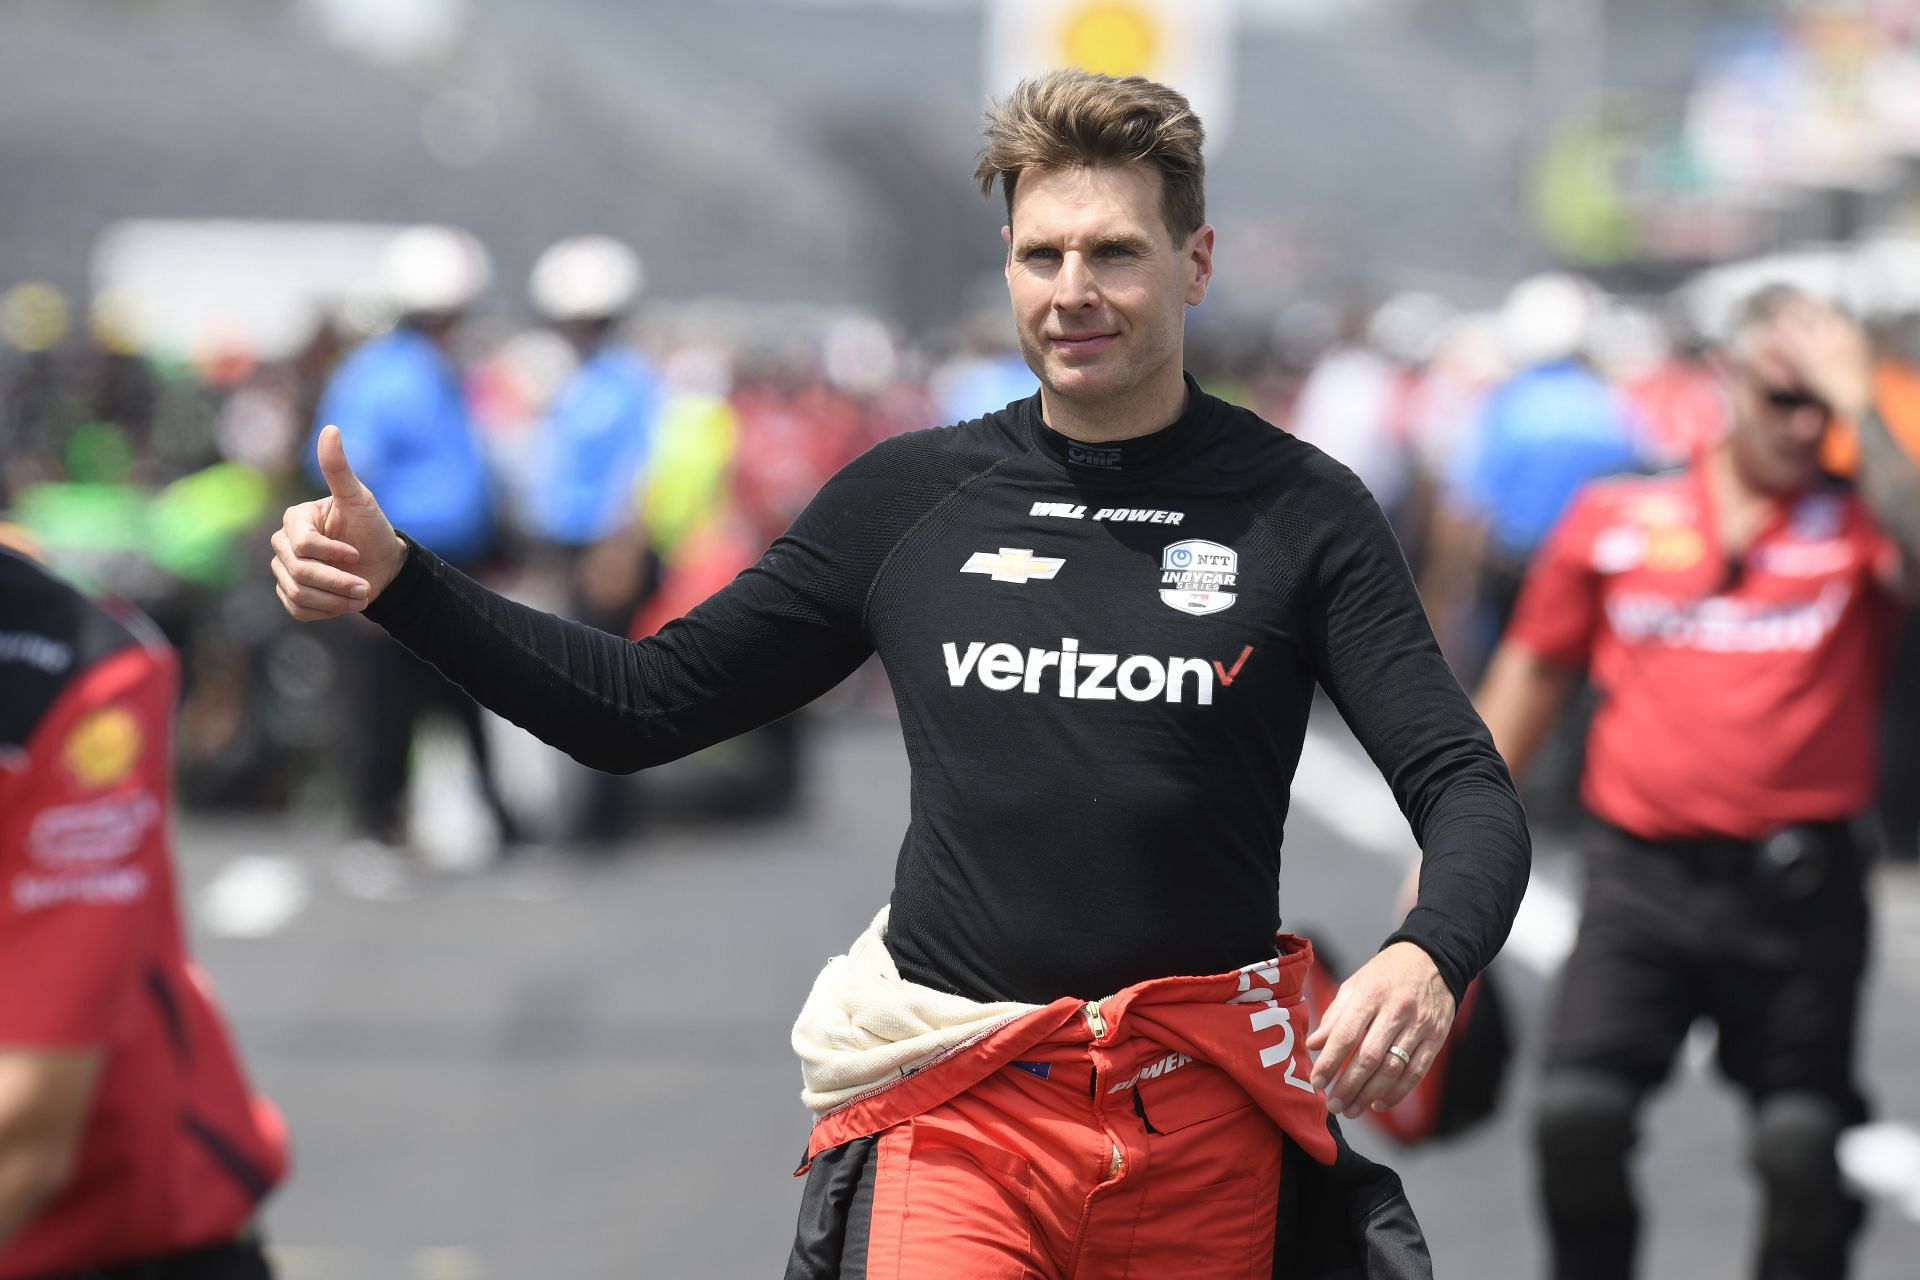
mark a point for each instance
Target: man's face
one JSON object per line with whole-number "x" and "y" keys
{"x": 1778, "y": 425}
{"x": 1099, "y": 287}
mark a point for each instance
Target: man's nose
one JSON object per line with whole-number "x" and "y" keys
{"x": 1808, "y": 422}
{"x": 1074, "y": 289}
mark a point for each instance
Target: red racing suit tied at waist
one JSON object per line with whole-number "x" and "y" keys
{"x": 1249, "y": 1023}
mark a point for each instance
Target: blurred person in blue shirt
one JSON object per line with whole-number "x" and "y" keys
{"x": 597, "y": 438}
{"x": 399, "y": 403}
{"x": 590, "y": 461}
{"x": 986, "y": 374}
{"x": 1550, "y": 427}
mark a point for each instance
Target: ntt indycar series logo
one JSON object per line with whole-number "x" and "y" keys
{"x": 1097, "y": 677}
{"x": 1199, "y": 577}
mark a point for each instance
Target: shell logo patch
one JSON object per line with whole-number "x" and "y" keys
{"x": 1672, "y": 549}
{"x": 103, "y": 747}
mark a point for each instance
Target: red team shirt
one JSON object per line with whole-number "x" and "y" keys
{"x": 1735, "y": 697}
{"x": 177, "y": 1151}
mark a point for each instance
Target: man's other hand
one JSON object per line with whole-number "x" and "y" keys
{"x": 1829, "y": 353}
{"x": 336, "y": 554}
{"x": 1396, "y": 1000}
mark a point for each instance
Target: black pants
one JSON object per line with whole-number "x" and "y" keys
{"x": 609, "y": 806}
{"x": 1900, "y": 748}
{"x": 1774, "y": 955}
{"x": 241, "y": 1260}
{"x": 391, "y": 690}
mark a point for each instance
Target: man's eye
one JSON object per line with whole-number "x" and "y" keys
{"x": 1116, "y": 251}
{"x": 1040, "y": 255}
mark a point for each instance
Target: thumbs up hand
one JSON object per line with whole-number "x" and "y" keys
{"x": 336, "y": 554}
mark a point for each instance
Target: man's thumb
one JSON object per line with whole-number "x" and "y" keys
{"x": 341, "y": 482}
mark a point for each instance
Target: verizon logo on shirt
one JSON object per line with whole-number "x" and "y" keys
{"x": 1069, "y": 673}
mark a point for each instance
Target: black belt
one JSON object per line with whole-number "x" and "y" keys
{"x": 207, "y": 1260}
{"x": 1792, "y": 860}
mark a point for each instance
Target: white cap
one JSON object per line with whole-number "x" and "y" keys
{"x": 1629, "y": 342}
{"x": 1546, "y": 317}
{"x": 434, "y": 269}
{"x": 585, "y": 278}
{"x": 1407, "y": 327}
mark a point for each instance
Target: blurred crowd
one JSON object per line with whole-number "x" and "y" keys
{"x": 591, "y": 450}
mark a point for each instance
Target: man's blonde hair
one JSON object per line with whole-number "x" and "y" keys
{"x": 1076, "y": 119}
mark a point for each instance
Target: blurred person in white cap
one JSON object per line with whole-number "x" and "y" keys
{"x": 596, "y": 437}
{"x": 590, "y": 462}
{"x": 1548, "y": 429}
{"x": 1354, "y": 404}
{"x": 399, "y": 402}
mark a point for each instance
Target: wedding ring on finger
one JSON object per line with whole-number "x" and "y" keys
{"x": 1401, "y": 1054}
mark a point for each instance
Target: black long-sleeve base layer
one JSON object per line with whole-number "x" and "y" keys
{"x": 1104, "y": 658}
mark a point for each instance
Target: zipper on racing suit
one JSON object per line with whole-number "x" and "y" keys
{"x": 1097, "y": 1022}
{"x": 1095, "y": 1019}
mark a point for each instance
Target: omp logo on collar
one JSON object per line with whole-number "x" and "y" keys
{"x": 1093, "y": 677}
{"x": 1086, "y": 455}
{"x": 1012, "y": 564}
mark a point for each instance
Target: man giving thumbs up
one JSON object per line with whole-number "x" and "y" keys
{"x": 335, "y": 554}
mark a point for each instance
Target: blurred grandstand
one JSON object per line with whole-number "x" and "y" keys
{"x": 198, "y": 194}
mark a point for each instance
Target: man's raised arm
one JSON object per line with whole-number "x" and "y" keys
{"x": 781, "y": 634}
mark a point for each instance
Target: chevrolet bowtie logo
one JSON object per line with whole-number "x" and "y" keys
{"x": 1012, "y": 565}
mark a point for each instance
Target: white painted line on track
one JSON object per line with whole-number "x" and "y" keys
{"x": 1347, "y": 794}
{"x": 449, "y": 1262}
{"x": 1896, "y": 910}
{"x": 319, "y": 1262}
{"x": 1882, "y": 1161}
{"x": 254, "y": 895}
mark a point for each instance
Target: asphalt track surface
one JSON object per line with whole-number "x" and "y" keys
{"x": 578, "y": 1069}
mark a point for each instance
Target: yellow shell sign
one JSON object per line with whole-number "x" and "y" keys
{"x": 1183, "y": 43}
{"x": 103, "y": 747}
{"x": 1114, "y": 38}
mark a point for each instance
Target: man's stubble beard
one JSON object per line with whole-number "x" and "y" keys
{"x": 1126, "y": 377}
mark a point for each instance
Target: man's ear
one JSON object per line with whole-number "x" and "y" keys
{"x": 1006, "y": 238}
{"x": 1199, "y": 254}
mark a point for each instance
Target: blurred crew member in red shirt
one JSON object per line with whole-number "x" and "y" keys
{"x": 131, "y": 1147}
{"x": 1736, "y": 617}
